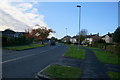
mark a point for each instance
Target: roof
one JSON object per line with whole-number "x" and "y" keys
{"x": 109, "y": 34}
{"x": 91, "y": 36}
{"x": 8, "y": 31}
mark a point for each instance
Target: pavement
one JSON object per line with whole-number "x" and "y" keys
{"x": 25, "y": 64}
{"x": 92, "y": 67}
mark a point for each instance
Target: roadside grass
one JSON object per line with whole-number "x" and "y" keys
{"x": 92, "y": 48}
{"x": 73, "y": 52}
{"x": 106, "y": 57}
{"x": 24, "y": 47}
{"x": 114, "y": 75}
{"x": 58, "y": 71}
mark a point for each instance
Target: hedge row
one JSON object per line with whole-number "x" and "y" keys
{"x": 11, "y": 41}
{"x": 115, "y": 49}
{"x": 111, "y": 48}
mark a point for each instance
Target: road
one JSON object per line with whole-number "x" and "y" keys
{"x": 25, "y": 64}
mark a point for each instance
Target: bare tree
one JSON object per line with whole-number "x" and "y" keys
{"x": 84, "y": 32}
{"x": 82, "y": 35}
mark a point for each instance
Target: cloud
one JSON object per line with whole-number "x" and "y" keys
{"x": 34, "y": 10}
{"x": 19, "y": 16}
{"x": 25, "y": 5}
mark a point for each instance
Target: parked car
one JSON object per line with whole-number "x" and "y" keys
{"x": 52, "y": 42}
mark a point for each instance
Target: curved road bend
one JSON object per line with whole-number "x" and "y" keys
{"x": 25, "y": 64}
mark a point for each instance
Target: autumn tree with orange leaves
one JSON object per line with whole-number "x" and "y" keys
{"x": 39, "y": 34}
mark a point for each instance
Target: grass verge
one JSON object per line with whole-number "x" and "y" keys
{"x": 73, "y": 52}
{"x": 106, "y": 57}
{"x": 92, "y": 48}
{"x": 58, "y": 71}
{"x": 114, "y": 75}
{"x": 24, "y": 47}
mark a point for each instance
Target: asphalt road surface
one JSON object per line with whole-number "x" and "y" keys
{"x": 25, "y": 64}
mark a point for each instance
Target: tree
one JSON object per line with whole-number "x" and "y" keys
{"x": 38, "y": 34}
{"x": 53, "y": 38}
{"x": 101, "y": 41}
{"x": 82, "y": 35}
{"x": 116, "y": 35}
{"x": 84, "y": 32}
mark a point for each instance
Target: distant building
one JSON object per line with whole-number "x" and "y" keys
{"x": 73, "y": 40}
{"x": 18, "y": 34}
{"x": 8, "y": 33}
{"x": 91, "y": 38}
{"x": 108, "y": 37}
{"x": 66, "y": 39}
{"x": 11, "y": 33}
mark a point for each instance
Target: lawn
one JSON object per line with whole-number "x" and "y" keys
{"x": 92, "y": 48}
{"x": 73, "y": 52}
{"x": 114, "y": 75}
{"x": 24, "y": 47}
{"x": 58, "y": 71}
{"x": 106, "y": 57}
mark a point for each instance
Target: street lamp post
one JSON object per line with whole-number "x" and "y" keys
{"x": 79, "y": 7}
{"x": 66, "y": 31}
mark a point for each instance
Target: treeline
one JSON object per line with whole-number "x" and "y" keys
{"x": 30, "y": 36}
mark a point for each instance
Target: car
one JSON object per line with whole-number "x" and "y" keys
{"x": 52, "y": 42}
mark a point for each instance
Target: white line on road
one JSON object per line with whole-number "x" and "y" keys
{"x": 24, "y": 56}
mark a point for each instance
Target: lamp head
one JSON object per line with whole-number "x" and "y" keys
{"x": 78, "y": 6}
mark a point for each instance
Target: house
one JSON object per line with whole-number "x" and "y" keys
{"x": 66, "y": 39}
{"x": 73, "y": 40}
{"x": 17, "y": 34}
{"x": 108, "y": 37}
{"x": 8, "y": 33}
{"x": 90, "y": 38}
{"x": 11, "y": 33}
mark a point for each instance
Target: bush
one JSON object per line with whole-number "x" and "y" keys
{"x": 111, "y": 48}
{"x": 101, "y": 41}
{"x": 4, "y": 41}
{"x": 10, "y": 41}
{"x": 115, "y": 49}
{"x": 13, "y": 41}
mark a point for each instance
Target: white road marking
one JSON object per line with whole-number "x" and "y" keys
{"x": 17, "y": 58}
{"x": 24, "y": 56}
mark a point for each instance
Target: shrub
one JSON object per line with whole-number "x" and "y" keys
{"x": 11, "y": 41}
{"x": 115, "y": 49}
{"x": 4, "y": 41}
